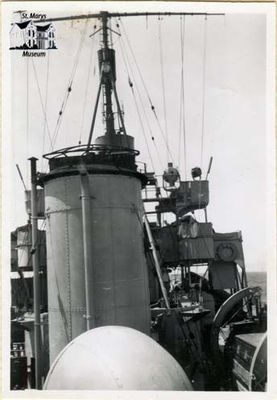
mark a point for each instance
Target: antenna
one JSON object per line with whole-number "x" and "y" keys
{"x": 106, "y": 56}
{"x": 209, "y": 168}
{"x": 21, "y": 177}
{"x": 126, "y": 14}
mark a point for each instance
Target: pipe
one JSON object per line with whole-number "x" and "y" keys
{"x": 36, "y": 279}
{"x": 156, "y": 261}
{"x": 206, "y": 215}
{"x": 94, "y": 115}
{"x": 88, "y": 266}
{"x": 118, "y": 109}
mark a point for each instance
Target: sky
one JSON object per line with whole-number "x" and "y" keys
{"x": 225, "y": 102}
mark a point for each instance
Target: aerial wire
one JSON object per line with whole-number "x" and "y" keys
{"x": 180, "y": 123}
{"x": 203, "y": 88}
{"x": 69, "y": 86}
{"x": 162, "y": 133}
{"x": 45, "y": 107}
{"x": 136, "y": 63}
{"x": 163, "y": 83}
{"x": 146, "y": 91}
{"x": 129, "y": 71}
{"x": 27, "y": 119}
{"x": 203, "y": 104}
{"x": 184, "y": 101}
{"x": 149, "y": 128}
{"x": 86, "y": 90}
{"x": 142, "y": 126}
{"x": 42, "y": 103}
{"x": 182, "y": 97}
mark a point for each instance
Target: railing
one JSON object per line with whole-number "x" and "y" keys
{"x": 84, "y": 150}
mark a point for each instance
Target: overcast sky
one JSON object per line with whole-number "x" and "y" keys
{"x": 233, "y": 78}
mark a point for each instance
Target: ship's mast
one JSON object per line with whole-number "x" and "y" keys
{"x": 107, "y": 74}
{"x": 107, "y": 69}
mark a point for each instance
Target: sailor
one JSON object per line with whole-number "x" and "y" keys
{"x": 189, "y": 227}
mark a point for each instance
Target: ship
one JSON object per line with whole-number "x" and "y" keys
{"x": 110, "y": 296}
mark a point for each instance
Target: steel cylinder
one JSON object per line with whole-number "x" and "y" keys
{"x": 118, "y": 292}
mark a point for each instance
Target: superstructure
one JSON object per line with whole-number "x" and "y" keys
{"x": 111, "y": 260}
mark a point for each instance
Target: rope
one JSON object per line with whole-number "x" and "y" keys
{"x": 86, "y": 91}
{"x": 163, "y": 83}
{"x": 69, "y": 87}
{"x": 204, "y": 89}
{"x": 42, "y": 103}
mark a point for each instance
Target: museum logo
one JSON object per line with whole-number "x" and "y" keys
{"x": 32, "y": 36}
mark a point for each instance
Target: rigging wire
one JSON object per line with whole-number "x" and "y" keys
{"x": 203, "y": 88}
{"x": 86, "y": 91}
{"x": 136, "y": 63}
{"x": 135, "y": 100}
{"x": 146, "y": 91}
{"x": 162, "y": 133}
{"x": 69, "y": 86}
{"x": 41, "y": 101}
{"x": 182, "y": 125}
{"x": 150, "y": 130}
{"x": 203, "y": 106}
{"x": 163, "y": 82}
{"x": 27, "y": 119}
{"x": 129, "y": 71}
{"x": 45, "y": 107}
{"x": 142, "y": 126}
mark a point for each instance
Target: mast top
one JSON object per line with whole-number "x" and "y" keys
{"x": 113, "y": 138}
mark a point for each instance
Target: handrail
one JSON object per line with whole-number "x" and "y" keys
{"x": 87, "y": 150}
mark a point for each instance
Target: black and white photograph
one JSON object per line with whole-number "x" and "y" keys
{"x": 138, "y": 199}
